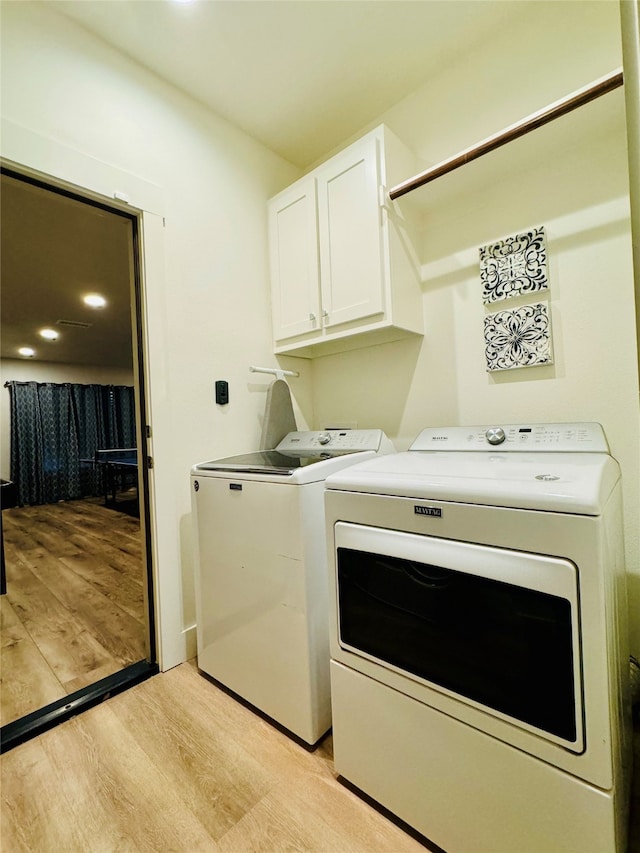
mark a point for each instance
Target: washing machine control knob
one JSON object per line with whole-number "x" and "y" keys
{"x": 495, "y": 435}
{"x": 325, "y": 438}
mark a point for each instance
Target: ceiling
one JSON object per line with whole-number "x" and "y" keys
{"x": 300, "y": 76}
{"x": 54, "y": 250}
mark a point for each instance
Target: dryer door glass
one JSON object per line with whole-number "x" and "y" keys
{"x": 462, "y": 619}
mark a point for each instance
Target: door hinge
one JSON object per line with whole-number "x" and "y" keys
{"x": 147, "y": 431}
{"x": 149, "y": 461}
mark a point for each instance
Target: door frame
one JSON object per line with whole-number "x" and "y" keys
{"x": 30, "y": 153}
{"x": 50, "y": 715}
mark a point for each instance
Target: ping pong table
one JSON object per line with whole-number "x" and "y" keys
{"x": 116, "y": 463}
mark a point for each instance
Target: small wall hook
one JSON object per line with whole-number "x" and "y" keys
{"x": 274, "y": 371}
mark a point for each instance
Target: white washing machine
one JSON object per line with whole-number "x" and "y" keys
{"x": 261, "y": 572}
{"x": 478, "y": 637}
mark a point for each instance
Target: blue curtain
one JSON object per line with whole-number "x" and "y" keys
{"x": 60, "y": 459}
{"x": 87, "y": 401}
{"x": 55, "y": 426}
{"x": 119, "y": 416}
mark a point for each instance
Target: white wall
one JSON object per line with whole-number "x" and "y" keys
{"x": 23, "y": 370}
{"x": 206, "y": 286}
{"x": 211, "y": 316}
{"x": 570, "y": 177}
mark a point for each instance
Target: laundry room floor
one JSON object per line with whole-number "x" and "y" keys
{"x": 176, "y": 764}
{"x": 74, "y": 610}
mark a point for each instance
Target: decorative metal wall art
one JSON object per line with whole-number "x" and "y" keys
{"x": 520, "y": 337}
{"x": 514, "y": 266}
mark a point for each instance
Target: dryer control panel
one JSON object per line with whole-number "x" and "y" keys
{"x": 333, "y": 442}
{"x": 563, "y": 437}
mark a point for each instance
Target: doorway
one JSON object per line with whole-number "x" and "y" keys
{"x": 77, "y": 614}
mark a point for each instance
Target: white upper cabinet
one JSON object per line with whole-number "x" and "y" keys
{"x": 293, "y": 246}
{"x": 350, "y": 234}
{"x": 343, "y": 270}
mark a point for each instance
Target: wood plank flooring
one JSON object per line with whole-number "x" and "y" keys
{"x": 74, "y": 610}
{"x": 173, "y": 764}
{"x": 176, "y": 764}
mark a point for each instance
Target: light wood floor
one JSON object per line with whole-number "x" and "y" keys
{"x": 74, "y": 610}
{"x": 175, "y": 764}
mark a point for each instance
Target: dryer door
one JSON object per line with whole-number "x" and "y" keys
{"x": 495, "y": 628}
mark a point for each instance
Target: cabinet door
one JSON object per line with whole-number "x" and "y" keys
{"x": 350, "y": 228}
{"x": 293, "y": 241}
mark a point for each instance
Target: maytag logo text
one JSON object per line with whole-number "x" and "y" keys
{"x": 433, "y": 511}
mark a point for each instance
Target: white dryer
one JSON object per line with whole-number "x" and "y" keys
{"x": 479, "y": 637}
{"x": 261, "y": 572}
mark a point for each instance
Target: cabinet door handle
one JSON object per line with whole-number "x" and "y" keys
{"x": 312, "y": 317}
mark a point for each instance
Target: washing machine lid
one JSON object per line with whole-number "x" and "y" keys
{"x": 260, "y": 462}
{"x": 544, "y": 479}
{"x": 272, "y": 467}
{"x": 301, "y": 457}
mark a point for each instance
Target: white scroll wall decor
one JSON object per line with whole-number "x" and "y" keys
{"x": 514, "y": 266}
{"x": 519, "y": 337}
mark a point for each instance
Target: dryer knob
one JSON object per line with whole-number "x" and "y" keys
{"x": 324, "y": 438}
{"x": 495, "y": 435}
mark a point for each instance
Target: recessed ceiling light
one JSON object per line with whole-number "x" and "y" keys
{"x": 49, "y": 334}
{"x": 27, "y": 352}
{"x": 94, "y": 300}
